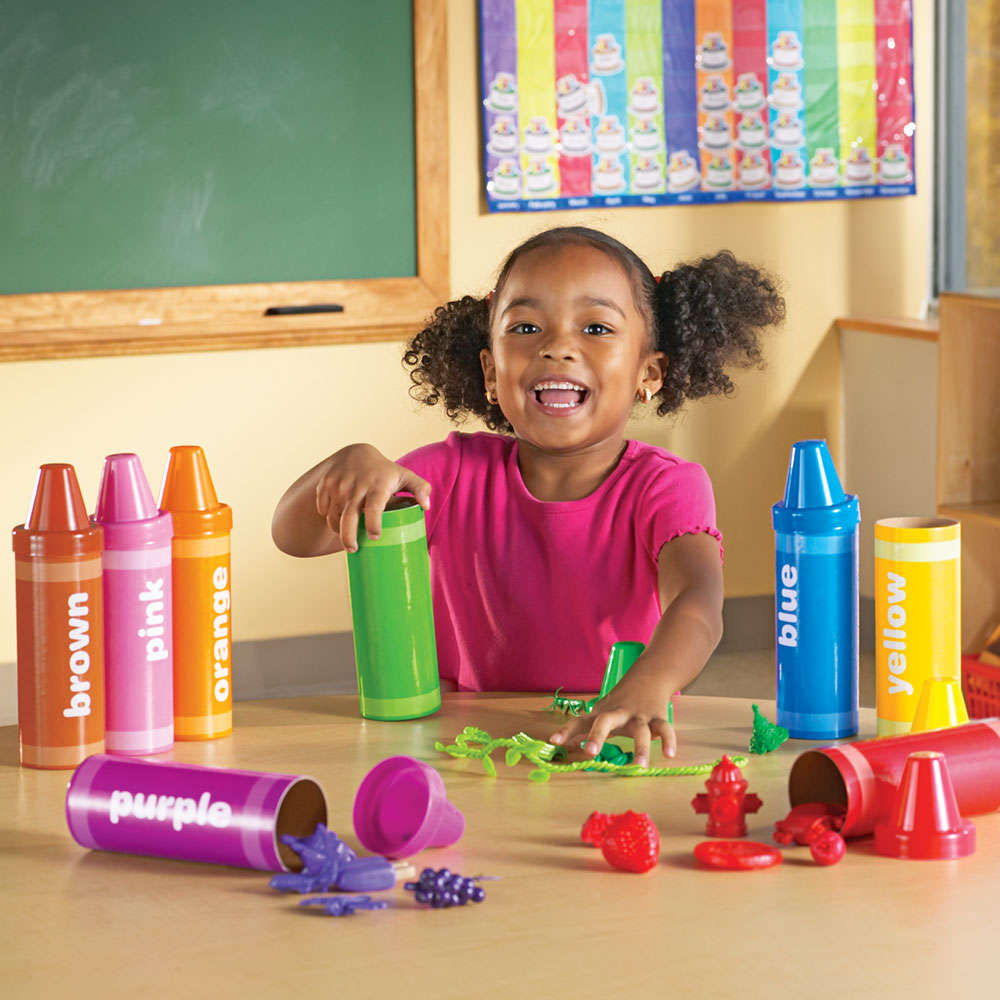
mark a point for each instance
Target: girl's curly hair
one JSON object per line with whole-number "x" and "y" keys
{"x": 706, "y": 317}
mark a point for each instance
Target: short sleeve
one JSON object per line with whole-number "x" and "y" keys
{"x": 438, "y": 463}
{"x": 678, "y": 501}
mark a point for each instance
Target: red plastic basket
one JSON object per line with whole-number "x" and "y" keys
{"x": 981, "y": 687}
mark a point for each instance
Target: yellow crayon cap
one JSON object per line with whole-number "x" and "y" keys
{"x": 940, "y": 706}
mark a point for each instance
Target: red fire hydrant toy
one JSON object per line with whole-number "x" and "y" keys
{"x": 726, "y": 801}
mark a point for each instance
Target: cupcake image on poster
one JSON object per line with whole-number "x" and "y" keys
{"x": 682, "y": 173}
{"x": 574, "y": 137}
{"x": 894, "y": 166}
{"x": 539, "y": 178}
{"x": 609, "y": 136}
{"x": 749, "y": 95}
{"x": 715, "y": 134}
{"x": 609, "y": 175}
{"x": 786, "y": 94}
{"x": 788, "y": 131}
{"x": 645, "y": 98}
{"x": 753, "y": 172}
{"x": 503, "y": 136}
{"x": 751, "y": 132}
{"x": 714, "y": 94}
{"x": 647, "y": 173}
{"x": 824, "y": 168}
{"x": 789, "y": 171}
{"x": 502, "y": 96}
{"x": 713, "y": 53}
{"x": 786, "y": 52}
{"x": 538, "y": 139}
{"x": 606, "y": 56}
{"x": 506, "y": 180}
{"x": 859, "y": 170}
{"x": 719, "y": 173}
{"x": 646, "y": 136}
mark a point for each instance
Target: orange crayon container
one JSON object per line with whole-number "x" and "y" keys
{"x": 60, "y": 625}
{"x": 203, "y": 683}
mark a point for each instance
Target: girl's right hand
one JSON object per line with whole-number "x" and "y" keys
{"x": 360, "y": 478}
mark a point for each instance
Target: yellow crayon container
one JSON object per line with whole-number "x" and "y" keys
{"x": 917, "y": 613}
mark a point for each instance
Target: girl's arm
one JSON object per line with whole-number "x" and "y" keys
{"x": 318, "y": 514}
{"x": 689, "y": 576}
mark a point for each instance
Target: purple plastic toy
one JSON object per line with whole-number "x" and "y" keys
{"x": 344, "y": 906}
{"x": 191, "y": 813}
{"x": 402, "y": 808}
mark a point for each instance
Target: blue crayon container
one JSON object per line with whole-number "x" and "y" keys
{"x": 816, "y": 598}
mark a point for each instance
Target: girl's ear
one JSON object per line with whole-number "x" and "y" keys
{"x": 654, "y": 371}
{"x": 489, "y": 369}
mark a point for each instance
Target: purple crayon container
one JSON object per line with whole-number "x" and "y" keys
{"x": 138, "y": 611}
{"x": 192, "y": 813}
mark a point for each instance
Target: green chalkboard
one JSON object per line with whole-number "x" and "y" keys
{"x": 204, "y": 142}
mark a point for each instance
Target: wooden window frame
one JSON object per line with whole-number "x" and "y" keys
{"x": 51, "y": 325}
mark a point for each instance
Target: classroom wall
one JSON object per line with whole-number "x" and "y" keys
{"x": 264, "y": 416}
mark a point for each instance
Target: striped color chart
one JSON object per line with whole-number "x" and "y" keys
{"x": 594, "y": 103}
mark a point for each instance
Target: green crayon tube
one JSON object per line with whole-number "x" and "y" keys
{"x": 395, "y": 647}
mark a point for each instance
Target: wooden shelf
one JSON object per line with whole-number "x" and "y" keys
{"x": 986, "y": 512}
{"x": 897, "y": 326}
{"x": 968, "y": 463}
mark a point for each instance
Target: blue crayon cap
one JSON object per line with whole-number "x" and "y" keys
{"x": 814, "y": 502}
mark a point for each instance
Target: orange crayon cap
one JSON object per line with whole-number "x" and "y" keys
{"x": 189, "y": 495}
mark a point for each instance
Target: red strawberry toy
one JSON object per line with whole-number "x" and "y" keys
{"x": 595, "y": 825}
{"x": 631, "y": 842}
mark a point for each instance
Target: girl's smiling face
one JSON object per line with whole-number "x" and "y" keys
{"x": 569, "y": 350}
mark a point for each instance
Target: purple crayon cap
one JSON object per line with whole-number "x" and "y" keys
{"x": 402, "y": 808}
{"x": 126, "y": 508}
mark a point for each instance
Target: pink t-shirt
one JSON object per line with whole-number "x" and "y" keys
{"x": 529, "y": 595}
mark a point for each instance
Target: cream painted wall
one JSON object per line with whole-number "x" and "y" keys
{"x": 263, "y": 416}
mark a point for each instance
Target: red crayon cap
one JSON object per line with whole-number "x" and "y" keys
{"x": 57, "y": 523}
{"x": 925, "y": 822}
{"x": 189, "y": 494}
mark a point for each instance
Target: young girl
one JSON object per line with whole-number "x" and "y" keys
{"x": 557, "y": 537}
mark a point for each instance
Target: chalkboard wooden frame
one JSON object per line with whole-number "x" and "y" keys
{"x": 227, "y": 317}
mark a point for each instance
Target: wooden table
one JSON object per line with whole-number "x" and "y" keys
{"x": 560, "y": 923}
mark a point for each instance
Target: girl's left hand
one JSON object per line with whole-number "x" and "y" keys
{"x": 636, "y": 707}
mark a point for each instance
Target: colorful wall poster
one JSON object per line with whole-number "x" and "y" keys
{"x": 597, "y": 103}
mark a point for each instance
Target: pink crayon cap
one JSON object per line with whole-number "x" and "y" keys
{"x": 126, "y": 508}
{"x": 402, "y": 808}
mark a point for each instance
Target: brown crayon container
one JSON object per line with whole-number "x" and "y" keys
{"x": 60, "y": 625}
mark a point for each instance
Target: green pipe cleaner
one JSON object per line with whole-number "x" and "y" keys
{"x": 476, "y": 744}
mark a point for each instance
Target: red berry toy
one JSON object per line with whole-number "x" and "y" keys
{"x": 631, "y": 842}
{"x": 828, "y": 848}
{"x": 595, "y": 825}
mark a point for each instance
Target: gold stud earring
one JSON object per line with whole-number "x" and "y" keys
{"x": 491, "y": 397}
{"x": 645, "y": 395}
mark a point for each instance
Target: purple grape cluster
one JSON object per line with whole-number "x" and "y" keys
{"x": 443, "y": 888}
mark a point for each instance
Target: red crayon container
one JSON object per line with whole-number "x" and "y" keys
{"x": 864, "y": 777}
{"x": 60, "y": 625}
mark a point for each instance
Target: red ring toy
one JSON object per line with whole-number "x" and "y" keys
{"x": 737, "y": 855}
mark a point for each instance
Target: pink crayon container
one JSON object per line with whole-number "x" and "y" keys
{"x": 138, "y": 611}
{"x": 192, "y": 813}
{"x": 864, "y": 777}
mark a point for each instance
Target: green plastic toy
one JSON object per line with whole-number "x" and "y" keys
{"x": 766, "y": 736}
{"x": 476, "y": 744}
{"x": 621, "y": 657}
